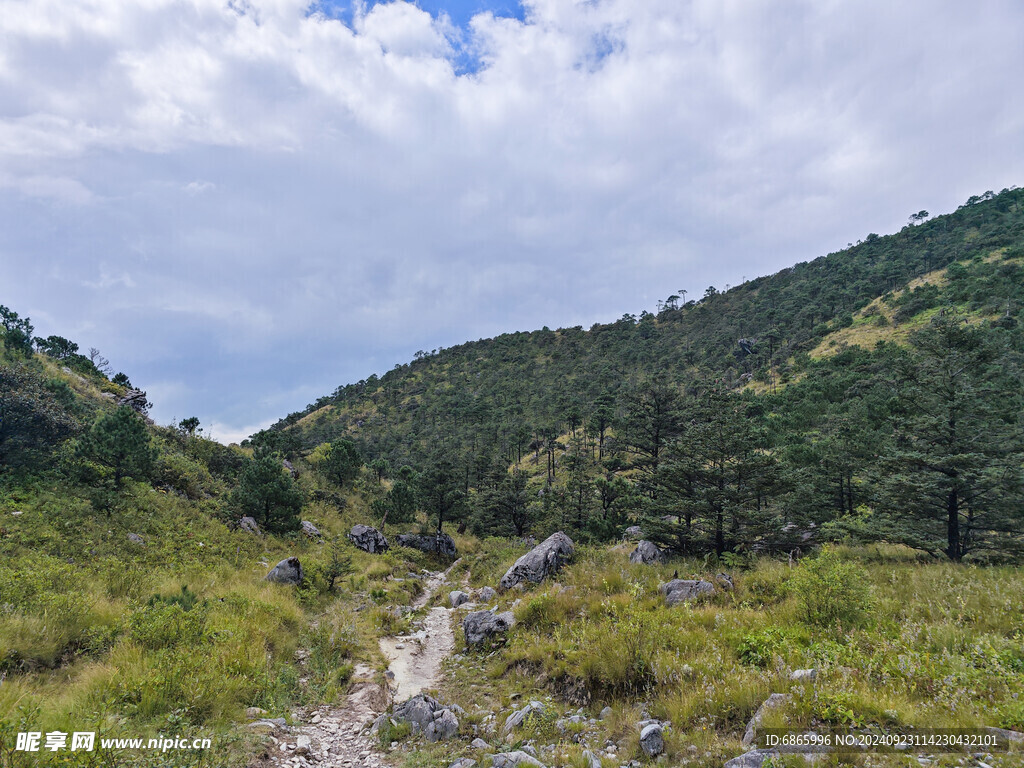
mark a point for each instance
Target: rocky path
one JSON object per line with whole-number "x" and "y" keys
{"x": 339, "y": 737}
{"x": 415, "y": 660}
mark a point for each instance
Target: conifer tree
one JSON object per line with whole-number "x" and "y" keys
{"x": 120, "y": 442}
{"x": 952, "y": 480}
{"x": 267, "y": 493}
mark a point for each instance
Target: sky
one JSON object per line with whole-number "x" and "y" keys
{"x": 244, "y": 204}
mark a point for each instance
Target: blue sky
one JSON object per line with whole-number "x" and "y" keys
{"x": 459, "y": 11}
{"x": 246, "y": 205}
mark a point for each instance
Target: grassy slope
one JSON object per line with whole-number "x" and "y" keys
{"x": 96, "y": 634}
{"x": 932, "y": 645}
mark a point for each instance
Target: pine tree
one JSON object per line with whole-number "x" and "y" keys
{"x": 267, "y": 493}
{"x": 120, "y": 442}
{"x": 713, "y": 487}
{"x": 952, "y": 479}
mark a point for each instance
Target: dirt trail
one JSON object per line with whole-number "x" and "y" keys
{"x": 415, "y": 659}
{"x": 338, "y": 737}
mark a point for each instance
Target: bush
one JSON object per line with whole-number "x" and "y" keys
{"x": 760, "y": 648}
{"x": 830, "y": 591}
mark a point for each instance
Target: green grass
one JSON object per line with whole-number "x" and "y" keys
{"x": 901, "y": 641}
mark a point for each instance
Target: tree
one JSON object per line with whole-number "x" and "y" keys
{"x": 120, "y": 442}
{"x": 504, "y": 506}
{"x": 953, "y": 474}
{"x": 715, "y": 481}
{"x": 342, "y": 463}
{"x": 56, "y": 347}
{"x": 381, "y": 468}
{"x": 399, "y": 504}
{"x": 189, "y": 426}
{"x": 32, "y": 418}
{"x": 651, "y": 421}
{"x": 616, "y": 497}
{"x": 17, "y": 332}
{"x": 441, "y": 490}
{"x": 267, "y": 493}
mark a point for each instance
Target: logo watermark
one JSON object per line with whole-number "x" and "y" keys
{"x": 85, "y": 741}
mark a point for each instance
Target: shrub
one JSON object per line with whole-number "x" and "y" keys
{"x": 165, "y": 625}
{"x": 760, "y": 648}
{"x": 829, "y": 590}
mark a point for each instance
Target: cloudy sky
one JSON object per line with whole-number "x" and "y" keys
{"x": 245, "y": 203}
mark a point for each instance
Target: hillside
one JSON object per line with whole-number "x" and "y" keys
{"x": 817, "y": 373}
{"x": 505, "y": 392}
{"x": 832, "y": 459}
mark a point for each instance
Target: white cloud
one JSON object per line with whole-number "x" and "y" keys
{"x": 349, "y": 198}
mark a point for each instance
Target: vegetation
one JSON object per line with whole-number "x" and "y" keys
{"x": 843, "y": 437}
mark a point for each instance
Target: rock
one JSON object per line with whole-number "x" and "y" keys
{"x": 517, "y": 718}
{"x": 254, "y": 712}
{"x": 512, "y": 759}
{"x": 804, "y": 675}
{"x": 463, "y": 762}
{"x": 487, "y": 594}
{"x": 651, "y": 740}
{"x": 302, "y": 744}
{"x": 1014, "y": 737}
{"x": 418, "y": 711}
{"x": 310, "y": 530}
{"x": 444, "y": 726}
{"x": 647, "y": 552}
{"x": 753, "y": 759}
{"x": 773, "y": 701}
{"x": 368, "y": 539}
{"x": 606, "y": 713}
{"x": 287, "y": 465}
{"x": 380, "y": 721}
{"x": 134, "y": 538}
{"x": 482, "y": 627}
{"x": 529, "y": 750}
{"x": 249, "y": 524}
{"x": 724, "y": 580}
{"x": 633, "y": 533}
{"x": 680, "y": 590}
{"x": 540, "y": 562}
{"x": 593, "y": 761}
{"x": 136, "y": 400}
{"x": 457, "y": 597}
{"x": 480, "y": 744}
{"x": 288, "y": 571}
{"x": 441, "y": 543}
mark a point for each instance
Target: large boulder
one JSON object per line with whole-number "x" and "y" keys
{"x": 458, "y": 597}
{"x": 310, "y": 530}
{"x": 250, "y": 525}
{"x": 288, "y": 571}
{"x": 512, "y": 760}
{"x": 443, "y": 727}
{"x": 517, "y": 718}
{"x": 647, "y": 552}
{"x": 440, "y": 543}
{"x": 482, "y": 627}
{"x": 680, "y": 590}
{"x": 772, "y": 702}
{"x": 418, "y": 711}
{"x": 368, "y": 539}
{"x": 652, "y": 742}
{"x": 540, "y": 562}
{"x": 753, "y": 759}
{"x": 486, "y": 595}
{"x": 633, "y": 533}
